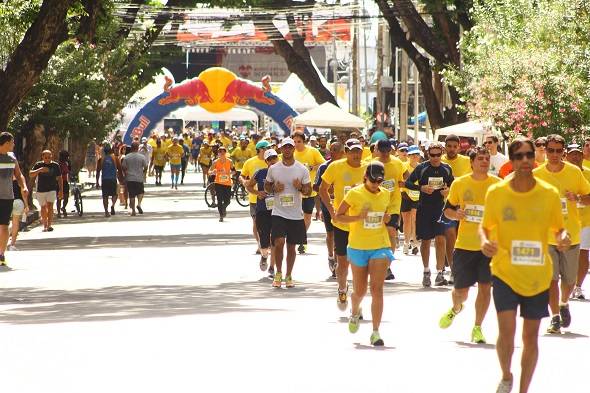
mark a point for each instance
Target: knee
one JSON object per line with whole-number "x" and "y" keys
{"x": 376, "y": 289}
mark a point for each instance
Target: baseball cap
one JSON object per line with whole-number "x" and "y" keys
{"x": 353, "y": 143}
{"x": 383, "y": 145}
{"x": 262, "y": 145}
{"x": 313, "y": 138}
{"x": 414, "y": 150}
{"x": 287, "y": 141}
{"x": 144, "y": 139}
{"x": 222, "y": 147}
{"x": 402, "y": 146}
{"x": 377, "y": 136}
{"x": 270, "y": 153}
{"x": 375, "y": 171}
{"x": 574, "y": 147}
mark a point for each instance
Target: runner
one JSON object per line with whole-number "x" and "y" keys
{"x": 108, "y": 165}
{"x": 342, "y": 176}
{"x": 287, "y": 180}
{"x": 573, "y": 188}
{"x": 134, "y": 168}
{"x": 158, "y": 161}
{"x": 586, "y": 151}
{"x": 205, "y": 158}
{"x": 242, "y": 154}
{"x": 184, "y": 159}
{"x": 497, "y": 159}
{"x": 49, "y": 186}
{"x": 197, "y": 142}
{"x": 335, "y": 154}
{"x": 470, "y": 266}
{"x": 146, "y": 150}
{"x": 409, "y": 205}
{"x": 518, "y": 215}
{"x": 174, "y": 154}
{"x": 540, "y": 154}
{"x": 364, "y": 209}
{"x": 9, "y": 169}
{"x": 312, "y": 159}
{"x": 223, "y": 170}
{"x": 433, "y": 179}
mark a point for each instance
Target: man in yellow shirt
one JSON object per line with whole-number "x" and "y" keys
{"x": 241, "y": 154}
{"x": 342, "y": 176}
{"x": 465, "y": 204}
{"x": 540, "y": 154}
{"x": 519, "y": 215}
{"x": 174, "y": 154}
{"x": 573, "y": 188}
{"x": 158, "y": 161}
{"x": 586, "y": 151}
{"x": 312, "y": 159}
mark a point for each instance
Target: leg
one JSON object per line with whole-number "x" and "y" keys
{"x": 49, "y": 208}
{"x": 3, "y": 238}
{"x": 459, "y": 296}
{"x": 291, "y": 254}
{"x": 554, "y": 297}
{"x": 132, "y": 204}
{"x": 530, "y": 352}
{"x": 440, "y": 248}
{"x": 413, "y": 230}
{"x": 360, "y": 275}
{"x": 505, "y": 343}
{"x": 277, "y": 251}
{"x": 342, "y": 272}
{"x": 317, "y": 207}
{"x": 139, "y": 199}
{"x": 450, "y": 239}
{"x": 482, "y": 302}
{"x": 582, "y": 267}
{"x": 330, "y": 243}
{"x": 105, "y": 204}
{"x": 406, "y": 217}
{"x": 377, "y": 271}
{"x": 219, "y": 193}
{"x": 14, "y": 231}
{"x": 425, "y": 253}
{"x": 255, "y": 231}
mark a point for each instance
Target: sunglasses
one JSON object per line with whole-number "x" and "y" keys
{"x": 435, "y": 155}
{"x": 520, "y": 156}
{"x": 376, "y": 181}
{"x": 551, "y": 150}
{"x": 539, "y": 144}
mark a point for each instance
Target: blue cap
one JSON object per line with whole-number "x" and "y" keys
{"x": 377, "y": 136}
{"x": 262, "y": 145}
{"x": 413, "y": 150}
{"x": 402, "y": 145}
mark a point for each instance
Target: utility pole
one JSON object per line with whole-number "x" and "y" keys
{"x": 355, "y": 61}
{"x": 416, "y": 102}
{"x": 403, "y": 107}
{"x": 335, "y": 61}
{"x": 379, "y": 107}
{"x": 366, "y": 65}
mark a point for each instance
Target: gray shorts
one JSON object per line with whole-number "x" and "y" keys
{"x": 253, "y": 210}
{"x": 565, "y": 264}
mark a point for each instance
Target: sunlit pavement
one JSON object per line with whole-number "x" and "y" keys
{"x": 174, "y": 301}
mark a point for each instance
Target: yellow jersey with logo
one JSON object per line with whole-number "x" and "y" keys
{"x": 584, "y": 210}
{"x": 460, "y": 165}
{"x": 394, "y": 174}
{"x": 205, "y": 155}
{"x": 371, "y": 232}
{"x": 240, "y": 156}
{"x": 251, "y": 166}
{"x": 159, "y": 154}
{"x": 521, "y": 223}
{"x": 311, "y": 158}
{"x": 175, "y": 153}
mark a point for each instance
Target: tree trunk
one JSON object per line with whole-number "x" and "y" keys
{"x": 31, "y": 56}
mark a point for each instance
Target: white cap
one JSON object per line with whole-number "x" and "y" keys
{"x": 270, "y": 153}
{"x": 313, "y": 138}
{"x": 287, "y": 141}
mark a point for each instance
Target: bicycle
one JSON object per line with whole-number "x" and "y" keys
{"x": 238, "y": 191}
{"x": 77, "y": 194}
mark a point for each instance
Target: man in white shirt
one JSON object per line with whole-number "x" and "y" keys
{"x": 497, "y": 159}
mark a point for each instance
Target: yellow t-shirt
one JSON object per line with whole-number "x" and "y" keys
{"x": 469, "y": 194}
{"x": 520, "y": 223}
{"x": 159, "y": 154}
{"x": 188, "y": 142}
{"x": 205, "y": 155}
{"x": 570, "y": 178}
{"x": 584, "y": 211}
{"x": 585, "y": 163}
{"x": 167, "y": 143}
{"x": 175, "y": 153}
{"x": 366, "y": 153}
{"x": 225, "y": 141}
{"x": 414, "y": 195}
{"x": 461, "y": 165}
{"x": 394, "y": 173}
{"x": 310, "y": 157}
{"x": 152, "y": 142}
{"x": 239, "y": 157}
{"x": 251, "y": 166}
{"x": 343, "y": 178}
{"x": 370, "y": 233}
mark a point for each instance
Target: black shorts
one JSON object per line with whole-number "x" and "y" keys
{"x": 408, "y": 205}
{"x": 470, "y": 267}
{"x": 5, "y": 211}
{"x": 327, "y": 219}
{"x": 427, "y": 222}
{"x": 135, "y": 188}
{"x": 158, "y": 168}
{"x": 109, "y": 188}
{"x": 263, "y": 227}
{"x": 531, "y": 307}
{"x": 340, "y": 241}
{"x": 292, "y": 230}
{"x": 307, "y": 204}
{"x": 393, "y": 221}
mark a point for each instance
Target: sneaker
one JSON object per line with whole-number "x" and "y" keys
{"x": 451, "y": 279}
{"x": 354, "y": 322}
{"x": 447, "y": 319}
{"x": 301, "y": 249}
{"x": 12, "y": 248}
{"x": 49, "y": 229}
{"x": 257, "y": 251}
{"x": 477, "y": 335}
{"x": 220, "y": 219}
{"x": 139, "y": 209}
{"x": 406, "y": 249}
{"x": 277, "y": 281}
{"x": 555, "y": 326}
{"x": 389, "y": 275}
{"x": 263, "y": 263}
{"x": 505, "y": 386}
{"x": 440, "y": 279}
{"x": 415, "y": 250}
{"x": 342, "y": 301}
{"x": 112, "y": 210}
{"x": 2, "y": 260}
{"x": 271, "y": 272}
{"x": 332, "y": 264}
{"x": 426, "y": 279}
{"x": 578, "y": 294}
{"x": 376, "y": 340}
{"x": 289, "y": 282}
{"x": 566, "y": 316}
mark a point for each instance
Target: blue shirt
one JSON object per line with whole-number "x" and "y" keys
{"x": 318, "y": 178}
{"x": 109, "y": 169}
{"x": 260, "y": 176}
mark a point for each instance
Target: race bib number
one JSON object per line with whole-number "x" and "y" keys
{"x": 580, "y": 205}
{"x": 270, "y": 203}
{"x": 436, "y": 182}
{"x": 563, "y": 206}
{"x": 414, "y": 194}
{"x": 287, "y": 200}
{"x": 473, "y": 213}
{"x": 374, "y": 220}
{"x": 529, "y": 253}
{"x": 389, "y": 185}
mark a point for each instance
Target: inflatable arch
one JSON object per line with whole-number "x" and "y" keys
{"x": 216, "y": 90}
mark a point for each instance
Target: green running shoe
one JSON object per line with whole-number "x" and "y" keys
{"x": 278, "y": 279}
{"x": 354, "y": 322}
{"x": 376, "y": 340}
{"x": 447, "y": 319}
{"x": 477, "y": 335}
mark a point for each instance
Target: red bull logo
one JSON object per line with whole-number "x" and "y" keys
{"x": 241, "y": 92}
{"x": 193, "y": 92}
{"x": 137, "y": 132}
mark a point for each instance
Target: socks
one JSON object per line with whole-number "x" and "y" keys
{"x": 426, "y": 270}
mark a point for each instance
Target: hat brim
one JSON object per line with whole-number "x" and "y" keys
{"x": 360, "y": 147}
{"x": 576, "y": 149}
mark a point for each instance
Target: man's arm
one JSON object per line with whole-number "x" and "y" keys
{"x": 412, "y": 179}
{"x": 325, "y": 197}
{"x": 20, "y": 178}
{"x": 35, "y": 172}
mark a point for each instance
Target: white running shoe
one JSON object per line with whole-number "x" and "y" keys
{"x": 12, "y": 248}
{"x": 406, "y": 249}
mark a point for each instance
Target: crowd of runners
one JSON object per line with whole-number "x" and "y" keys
{"x": 516, "y": 227}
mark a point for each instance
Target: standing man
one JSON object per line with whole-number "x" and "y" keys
{"x": 49, "y": 186}
{"x": 465, "y": 203}
{"x": 174, "y": 154}
{"x": 497, "y": 159}
{"x": 108, "y": 165}
{"x": 134, "y": 167}
{"x": 432, "y": 178}
{"x": 312, "y": 159}
{"x": 9, "y": 169}
{"x": 573, "y": 188}
{"x": 287, "y": 180}
{"x": 521, "y": 216}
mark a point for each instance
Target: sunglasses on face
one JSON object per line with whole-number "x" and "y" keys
{"x": 551, "y": 150}
{"x": 434, "y": 155}
{"x": 520, "y": 156}
{"x": 375, "y": 181}
{"x": 539, "y": 144}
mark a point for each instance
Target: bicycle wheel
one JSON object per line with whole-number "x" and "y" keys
{"x": 210, "y": 197}
{"x": 78, "y": 202}
{"x": 242, "y": 196}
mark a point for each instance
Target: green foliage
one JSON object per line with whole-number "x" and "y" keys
{"x": 527, "y": 66}
{"x": 15, "y": 18}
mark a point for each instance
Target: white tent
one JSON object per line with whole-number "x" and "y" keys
{"x": 197, "y": 113}
{"x": 329, "y": 115}
{"x": 471, "y": 129}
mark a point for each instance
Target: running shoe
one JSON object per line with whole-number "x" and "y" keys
{"x": 12, "y": 248}
{"x": 376, "y": 339}
{"x": 49, "y": 229}
{"x": 505, "y": 386}
{"x": 578, "y": 293}
{"x": 112, "y": 210}
{"x": 271, "y": 272}
{"x": 555, "y": 326}
{"x": 332, "y": 264}
{"x": 2, "y": 260}
{"x": 333, "y": 274}
{"x": 477, "y": 335}
{"x": 426, "y": 279}
{"x": 289, "y": 282}
{"x": 389, "y": 275}
{"x": 220, "y": 219}
{"x": 447, "y": 319}
{"x": 342, "y": 301}
{"x": 451, "y": 279}
{"x": 440, "y": 279}
{"x": 278, "y": 280}
{"x": 263, "y": 263}
{"x": 566, "y": 316}
{"x": 139, "y": 209}
{"x": 354, "y": 322}
{"x": 415, "y": 250}
{"x": 301, "y": 249}
{"x": 406, "y": 249}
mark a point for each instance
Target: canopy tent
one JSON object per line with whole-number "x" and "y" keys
{"x": 328, "y": 115}
{"x": 471, "y": 129}
{"x": 197, "y": 113}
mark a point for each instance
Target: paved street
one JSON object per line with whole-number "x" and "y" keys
{"x": 174, "y": 301}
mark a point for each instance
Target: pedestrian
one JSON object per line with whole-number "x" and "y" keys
{"x": 196, "y": 144}
{"x": 134, "y": 167}
{"x": 65, "y": 167}
{"x": 20, "y": 208}
{"x": 122, "y": 187}
{"x": 205, "y": 158}
{"x": 184, "y": 159}
{"x": 410, "y": 204}
{"x": 497, "y": 159}
{"x": 146, "y": 150}
{"x": 90, "y": 161}
{"x": 108, "y": 166}
{"x": 158, "y": 161}
{"x": 174, "y": 155}
{"x": 49, "y": 186}
{"x": 223, "y": 170}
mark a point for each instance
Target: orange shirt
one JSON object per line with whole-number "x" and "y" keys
{"x": 223, "y": 172}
